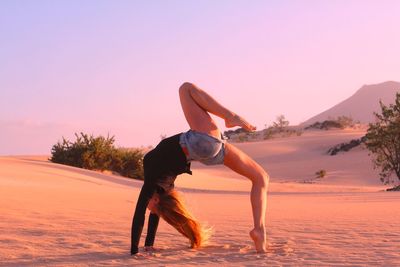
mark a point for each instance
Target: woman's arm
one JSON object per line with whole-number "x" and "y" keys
{"x": 151, "y": 229}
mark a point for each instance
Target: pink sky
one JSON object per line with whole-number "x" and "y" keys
{"x": 106, "y": 66}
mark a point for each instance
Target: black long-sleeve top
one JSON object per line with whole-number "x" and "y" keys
{"x": 161, "y": 167}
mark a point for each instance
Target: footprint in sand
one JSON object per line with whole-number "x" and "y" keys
{"x": 246, "y": 249}
{"x": 281, "y": 248}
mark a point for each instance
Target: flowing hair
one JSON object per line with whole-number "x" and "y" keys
{"x": 172, "y": 209}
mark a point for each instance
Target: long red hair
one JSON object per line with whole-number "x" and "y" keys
{"x": 172, "y": 209}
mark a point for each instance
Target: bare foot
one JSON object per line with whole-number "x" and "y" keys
{"x": 236, "y": 120}
{"x": 259, "y": 239}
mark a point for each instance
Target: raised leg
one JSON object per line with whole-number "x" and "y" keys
{"x": 241, "y": 163}
{"x": 196, "y": 115}
{"x": 196, "y": 103}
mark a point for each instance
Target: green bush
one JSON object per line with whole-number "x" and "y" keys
{"x": 128, "y": 162}
{"x": 98, "y": 153}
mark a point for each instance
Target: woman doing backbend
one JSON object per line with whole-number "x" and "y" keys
{"x": 172, "y": 156}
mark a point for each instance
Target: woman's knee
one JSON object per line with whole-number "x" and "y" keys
{"x": 185, "y": 88}
{"x": 262, "y": 179}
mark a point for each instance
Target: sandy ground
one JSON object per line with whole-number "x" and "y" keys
{"x": 55, "y": 215}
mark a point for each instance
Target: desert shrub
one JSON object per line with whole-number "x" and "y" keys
{"x": 61, "y": 153}
{"x": 321, "y": 173}
{"x": 345, "y": 121}
{"x": 289, "y": 132}
{"x": 340, "y": 122}
{"x": 383, "y": 141}
{"x": 278, "y": 127}
{"x": 346, "y": 146}
{"x": 240, "y": 135}
{"x": 230, "y": 133}
{"x": 396, "y": 188}
{"x": 128, "y": 162}
{"x": 98, "y": 153}
{"x": 243, "y": 137}
{"x": 268, "y": 133}
{"x": 272, "y": 132}
{"x": 87, "y": 152}
{"x": 281, "y": 123}
{"x": 325, "y": 125}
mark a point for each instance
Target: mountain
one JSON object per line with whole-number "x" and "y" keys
{"x": 362, "y": 104}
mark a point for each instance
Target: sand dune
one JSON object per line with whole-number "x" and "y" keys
{"x": 55, "y": 215}
{"x": 292, "y": 163}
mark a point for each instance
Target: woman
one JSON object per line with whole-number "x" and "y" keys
{"x": 172, "y": 157}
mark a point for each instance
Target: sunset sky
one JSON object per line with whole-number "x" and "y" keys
{"x": 115, "y": 66}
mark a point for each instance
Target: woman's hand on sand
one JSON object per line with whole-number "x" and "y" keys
{"x": 148, "y": 252}
{"x": 142, "y": 255}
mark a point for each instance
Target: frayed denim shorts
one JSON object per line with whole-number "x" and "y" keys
{"x": 202, "y": 147}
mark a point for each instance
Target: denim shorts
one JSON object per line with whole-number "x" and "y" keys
{"x": 202, "y": 147}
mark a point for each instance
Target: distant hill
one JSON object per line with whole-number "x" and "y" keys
{"x": 362, "y": 104}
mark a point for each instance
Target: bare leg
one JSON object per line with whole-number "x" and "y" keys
{"x": 241, "y": 163}
{"x": 195, "y": 104}
{"x": 197, "y": 117}
{"x": 190, "y": 94}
